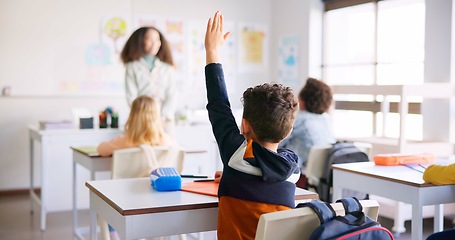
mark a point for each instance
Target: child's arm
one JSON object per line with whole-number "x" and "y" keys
{"x": 108, "y": 147}
{"x": 214, "y": 38}
{"x": 439, "y": 174}
{"x": 224, "y": 127}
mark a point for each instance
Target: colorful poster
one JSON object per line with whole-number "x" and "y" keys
{"x": 288, "y": 60}
{"x": 104, "y": 73}
{"x": 253, "y": 45}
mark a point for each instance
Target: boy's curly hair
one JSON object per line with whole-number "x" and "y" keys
{"x": 271, "y": 110}
{"x": 316, "y": 95}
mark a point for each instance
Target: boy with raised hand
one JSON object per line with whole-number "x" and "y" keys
{"x": 257, "y": 177}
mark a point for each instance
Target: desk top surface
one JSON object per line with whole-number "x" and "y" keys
{"x": 137, "y": 196}
{"x": 89, "y": 151}
{"x": 411, "y": 174}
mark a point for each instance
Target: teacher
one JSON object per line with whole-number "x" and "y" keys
{"x": 150, "y": 71}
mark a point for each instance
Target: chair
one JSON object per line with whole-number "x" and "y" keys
{"x": 138, "y": 162}
{"x": 316, "y": 160}
{"x": 299, "y": 223}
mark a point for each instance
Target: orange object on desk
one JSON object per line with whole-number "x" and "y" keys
{"x": 401, "y": 159}
{"x": 206, "y": 188}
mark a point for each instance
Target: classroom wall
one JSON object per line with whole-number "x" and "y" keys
{"x": 304, "y": 20}
{"x": 25, "y": 43}
{"x": 439, "y": 42}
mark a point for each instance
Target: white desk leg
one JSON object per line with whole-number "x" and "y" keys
{"x": 44, "y": 164}
{"x": 32, "y": 186}
{"x": 438, "y": 218}
{"x": 75, "y": 218}
{"x": 93, "y": 221}
{"x": 399, "y": 218}
{"x": 337, "y": 189}
{"x": 416, "y": 226}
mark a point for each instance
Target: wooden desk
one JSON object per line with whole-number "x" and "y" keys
{"x": 136, "y": 210}
{"x": 399, "y": 183}
{"x": 94, "y": 164}
{"x": 54, "y": 167}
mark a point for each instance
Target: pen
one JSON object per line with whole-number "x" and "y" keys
{"x": 193, "y": 176}
{"x": 205, "y": 180}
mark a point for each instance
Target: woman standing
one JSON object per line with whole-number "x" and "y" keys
{"x": 149, "y": 71}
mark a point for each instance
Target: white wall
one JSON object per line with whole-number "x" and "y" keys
{"x": 438, "y": 62}
{"x": 302, "y": 19}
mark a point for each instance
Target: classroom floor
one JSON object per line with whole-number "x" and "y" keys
{"x": 16, "y": 222}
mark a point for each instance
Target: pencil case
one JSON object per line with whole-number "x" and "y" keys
{"x": 401, "y": 159}
{"x": 166, "y": 179}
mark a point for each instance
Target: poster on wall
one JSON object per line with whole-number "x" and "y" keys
{"x": 104, "y": 72}
{"x": 253, "y": 45}
{"x": 288, "y": 60}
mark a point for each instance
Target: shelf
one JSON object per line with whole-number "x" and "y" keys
{"x": 401, "y": 144}
{"x": 427, "y": 90}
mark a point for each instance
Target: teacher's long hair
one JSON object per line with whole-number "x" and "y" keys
{"x": 144, "y": 124}
{"x": 134, "y": 47}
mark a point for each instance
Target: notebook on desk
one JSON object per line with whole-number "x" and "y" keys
{"x": 206, "y": 188}
{"x": 90, "y": 150}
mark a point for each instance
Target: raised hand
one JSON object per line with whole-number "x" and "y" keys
{"x": 214, "y": 38}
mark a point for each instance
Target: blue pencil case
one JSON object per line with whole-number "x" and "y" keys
{"x": 166, "y": 179}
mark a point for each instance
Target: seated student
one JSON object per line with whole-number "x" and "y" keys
{"x": 144, "y": 126}
{"x": 257, "y": 177}
{"x": 440, "y": 175}
{"x": 312, "y": 125}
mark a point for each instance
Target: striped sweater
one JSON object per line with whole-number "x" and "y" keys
{"x": 255, "y": 180}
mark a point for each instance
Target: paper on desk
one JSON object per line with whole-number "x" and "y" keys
{"x": 89, "y": 150}
{"x": 206, "y": 188}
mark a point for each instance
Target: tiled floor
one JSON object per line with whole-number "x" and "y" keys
{"x": 16, "y": 222}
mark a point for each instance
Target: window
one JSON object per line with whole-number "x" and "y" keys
{"x": 375, "y": 43}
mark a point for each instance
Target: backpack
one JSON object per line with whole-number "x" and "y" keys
{"x": 353, "y": 225}
{"x": 341, "y": 152}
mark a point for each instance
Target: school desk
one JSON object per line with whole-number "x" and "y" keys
{"x": 136, "y": 210}
{"x": 91, "y": 161}
{"x": 51, "y": 156}
{"x": 399, "y": 183}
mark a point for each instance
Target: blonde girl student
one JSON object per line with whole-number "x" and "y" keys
{"x": 144, "y": 126}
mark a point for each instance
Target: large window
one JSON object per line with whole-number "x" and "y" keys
{"x": 375, "y": 43}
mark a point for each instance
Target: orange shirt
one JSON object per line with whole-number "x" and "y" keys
{"x": 238, "y": 219}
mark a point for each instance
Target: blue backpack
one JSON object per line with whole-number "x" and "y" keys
{"x": 353, "y": 225}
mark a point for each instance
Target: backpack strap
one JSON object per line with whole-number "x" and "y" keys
{"x": 324, "y": 211}
{"x": 351, "y": 205}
